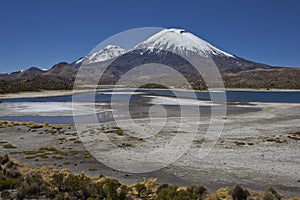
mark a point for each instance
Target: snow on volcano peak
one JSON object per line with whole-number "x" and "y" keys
{"x": 109, "y": 52}
{"x": 180, "y": 41}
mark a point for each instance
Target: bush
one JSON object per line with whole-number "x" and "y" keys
{"x": 33, "y": 187}
{"x": 9, "y": 146}
{"x": 9, "y": 183}
{"x": 140, "y": 188}
{"x": 123, "y": 193}
{"x": 272, "y": 191}
{"x": 57, "y": 181}
{"x": 269, "y": 196}
{"x": 12, "y": 173}
{"x": 172, "y": 192}
{"x": 167, "y": 193}
{"x": 238, "y": 193}
{"x": 82, "y": 187}
{"x": 76, "y": 186}
{"x": 9, "y": 164}
{"x": 202, "y": 191}
{"x": 110, "y": 187}
{"x": 4, "y": 159}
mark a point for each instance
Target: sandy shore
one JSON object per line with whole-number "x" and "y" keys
{"x": 46, "y": 93}
{"x": 262, "y": 90}
{"x": 256, "y": 150}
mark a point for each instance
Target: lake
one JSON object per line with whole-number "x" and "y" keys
{"x": 58, "y": 109}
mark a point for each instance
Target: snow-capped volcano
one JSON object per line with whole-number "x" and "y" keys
{"x": 165, "y": 47}
{"x": 177, "y": 41}
{"x": 109, "y": 52}
{"x": 168, "y": 47}
{"x": 180, "y": 42}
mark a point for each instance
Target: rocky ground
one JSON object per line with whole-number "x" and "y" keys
{"x": 256, "y": 150}
{"x": 20, "y": 181}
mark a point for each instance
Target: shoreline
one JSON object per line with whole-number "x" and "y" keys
{"x": 263, "y": 90}
{"x": 55, "y": 93}
{"x": 44, "y": 93}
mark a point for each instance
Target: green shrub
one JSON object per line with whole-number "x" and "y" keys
{"x": 172, "y": 192}
{"x": 140, "y": 188}
{"x": 9, "y": 146}
{"x": 167, "y": 193}
{"x": 123, "y": 193}
{"x": 293, "y": 137}
{"x": 92, "y": 169}
{"x": 110, "y": 187}
{"x": 13, "y": 173}
{"x": 9, "y": 183}
{"x": 238, "y": 143}
{"x": 33, "y": 187}
{"x": 76, "y": 186}
{"x": 57, "y": 181}
{"x": 57, "y": 157}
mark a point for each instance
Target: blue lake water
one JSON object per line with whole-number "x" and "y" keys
{"x": 233, "y": 97}
{"x": 241, "y": 96}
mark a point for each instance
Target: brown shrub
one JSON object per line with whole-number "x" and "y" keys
{"x": 4, "y": 159}
{"x": 238, "y": 193}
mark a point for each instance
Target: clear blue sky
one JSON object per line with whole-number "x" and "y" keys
{"x": 44, "y": 32}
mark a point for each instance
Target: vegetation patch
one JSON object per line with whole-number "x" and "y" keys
{"x": 293, "y": 137}
{"x": 9, "y": 183}
{"x": 92, "y": 169}
{"x": 276, "y": 140}
{"x": 30, "y": 157}
{"x": 74, "y": 152}
{"x": 53, "y": 132}
{"x": 65, "y": 185}
{"x": 33, "y": 125}
{"x": 53, "y": 151}
{"x": 126, "y": 145}
{"x": 238, "y": 143}
{"x": 15, "y": 152}
{"x": 32, "y": 152}
{"x": 77, "y": 142}
{"x": 62, "y": 139}
{"x": 57, "y": 157}
{"x": 114, "y": 129}
{"x": 86, "y": 153}
{"x": 42, "y": 155}
{"x": 9, "y": 146}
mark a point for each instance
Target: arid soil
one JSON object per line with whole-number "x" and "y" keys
{"x": 256, "y": 150}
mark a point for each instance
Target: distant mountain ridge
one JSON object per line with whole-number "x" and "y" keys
{"x": 165, "y": 47}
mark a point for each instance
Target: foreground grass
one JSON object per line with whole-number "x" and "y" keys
{"x": 50, "y": 183}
